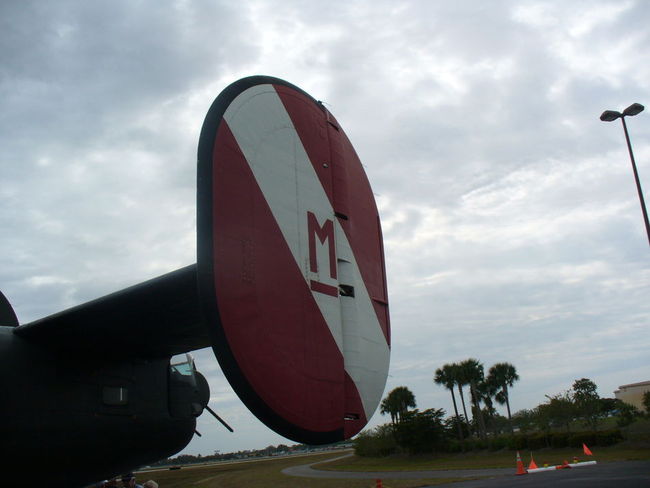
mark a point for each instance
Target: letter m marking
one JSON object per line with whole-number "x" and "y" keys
{"x": 325, "y": 235}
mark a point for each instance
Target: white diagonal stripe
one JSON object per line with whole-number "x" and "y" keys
{"x": 267, "y": 138}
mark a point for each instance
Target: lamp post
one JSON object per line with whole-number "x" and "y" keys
{"x": 610, "y": 116}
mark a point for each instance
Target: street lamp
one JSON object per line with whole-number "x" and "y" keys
{"x": 610, "y": 116}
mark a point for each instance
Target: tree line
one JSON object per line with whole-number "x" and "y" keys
{"x": 279, "y": 450}
{"x": 581, "y": 406}
{"x": 564, "y": 419}
{"x": 483, "y": 391}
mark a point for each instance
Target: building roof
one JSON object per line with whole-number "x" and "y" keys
{"x": 632, "y": 385}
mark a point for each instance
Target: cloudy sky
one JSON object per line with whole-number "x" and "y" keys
{"x": 512, "y": 225}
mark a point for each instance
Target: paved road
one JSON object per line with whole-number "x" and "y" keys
{"x": 626, "y": 474}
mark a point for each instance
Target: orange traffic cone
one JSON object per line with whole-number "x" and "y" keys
{"x": 532, "y": 464}
{"x": 564, "y": 465}
{"x": 520, "y": 465}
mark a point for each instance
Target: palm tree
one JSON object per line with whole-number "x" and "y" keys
{"x": 504, "y": 375}
{"x": 487, "y": 390}
{"x": 404, "y": 399}
{"x": 445, "y": 377}
{"x": 397, "y": 403}
{"x": 473, "y": 373}
{"x": 459, "y": 377}
{"x": 387, "y": 407}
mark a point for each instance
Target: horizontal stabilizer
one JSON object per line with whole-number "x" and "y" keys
{"x": 157, "y": 318}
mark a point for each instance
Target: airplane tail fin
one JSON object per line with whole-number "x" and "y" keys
{"x": 7, "y": 315}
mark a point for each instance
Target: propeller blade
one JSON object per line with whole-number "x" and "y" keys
{"x": 223, "y": 422}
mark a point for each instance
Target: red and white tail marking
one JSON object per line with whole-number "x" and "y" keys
{"x": 320, "y": 247}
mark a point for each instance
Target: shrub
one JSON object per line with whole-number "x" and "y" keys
{"x": 559, "y": 439}
{"x": 537, "y": 441}
{"x": 627, "y": 413}
{"x": 421, "y": 432}
{"x": 639, "y": 431}
{"x": 498, "y": 443}
{"x": 600, "y": 438}
{"x": 609, "y": 437}
{"x": 378, "y": 442}
{"x": 517, "y": 442}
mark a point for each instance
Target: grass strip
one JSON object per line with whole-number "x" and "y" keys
{"x": 267, "y": 474}
{"x": 483, "y": 459}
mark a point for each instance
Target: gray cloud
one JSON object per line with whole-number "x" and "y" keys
{"x": 511, "y": 223}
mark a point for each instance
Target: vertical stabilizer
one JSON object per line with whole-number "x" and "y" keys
{"x": 7, "y": 315}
